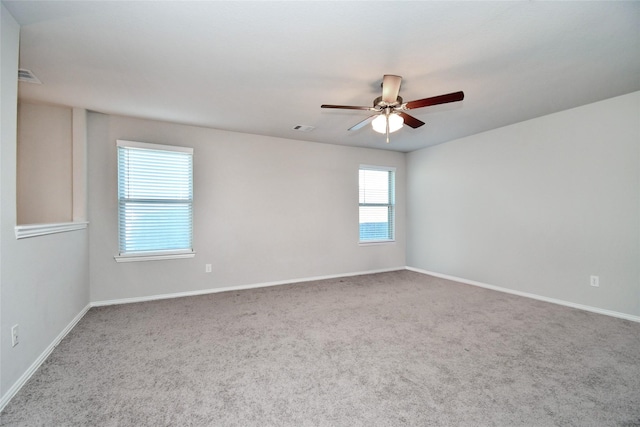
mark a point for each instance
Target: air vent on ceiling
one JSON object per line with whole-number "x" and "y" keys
{"x": 303, "y": 128}
{"x": 27, "y": 76}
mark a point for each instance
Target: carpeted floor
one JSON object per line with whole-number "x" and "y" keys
{"x": 387, "y": 349}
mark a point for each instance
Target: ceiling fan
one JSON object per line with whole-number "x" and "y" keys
{"x": 390, "y": 109}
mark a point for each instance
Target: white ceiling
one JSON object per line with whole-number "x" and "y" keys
{"x": 264, "y": 67}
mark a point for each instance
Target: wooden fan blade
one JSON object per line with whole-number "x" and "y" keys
{"x": 410, "y": 120}
{"x": 364, "y": 122}
{"x": 347, "y": 107}
{"x": 435, "y": 100}
{"x": 390, "y": 88}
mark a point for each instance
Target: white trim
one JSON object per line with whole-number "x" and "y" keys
{"x": 33, "y": 230}
{"x": 149, "y": 146}
{"x": 15, "y": 388}
{"x": 529, "y": 295}
{"x": 378, "y": 168}
{"x": 36, "y": 364}
{"x": 153, "y": 257}
{"x": 235, "y": 288}
{"x": 375, "y": 242}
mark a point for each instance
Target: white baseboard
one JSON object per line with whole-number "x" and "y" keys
{"x": 529, "y": 295}
{"x": 36, "y": 364}
{"x": 236, "y": 288}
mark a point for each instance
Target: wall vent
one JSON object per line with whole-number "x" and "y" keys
{"x": 27, "y": 76}
{"x": 303, "y": 128}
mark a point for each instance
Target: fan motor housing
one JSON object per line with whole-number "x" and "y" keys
{"x": 378, "y": 102}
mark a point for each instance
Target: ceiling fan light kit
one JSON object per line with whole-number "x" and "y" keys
{"x": 389, "y": 108}
{"x": 394, "y": 121}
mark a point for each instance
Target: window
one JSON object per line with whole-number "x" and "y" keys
{"x": 155, "y": 197}
{"x": 377, "y": 204}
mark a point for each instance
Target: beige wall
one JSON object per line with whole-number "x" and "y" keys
{"x": 265, "y": 209}
{"x": 44, "y": 189}
{"x": 536, "y": 207}
{"x": 44, "y": 281}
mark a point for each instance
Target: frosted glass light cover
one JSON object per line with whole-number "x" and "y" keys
{"x": 379, "y": 124}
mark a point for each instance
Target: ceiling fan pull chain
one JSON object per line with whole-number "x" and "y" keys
{"x": 387, "y": 129}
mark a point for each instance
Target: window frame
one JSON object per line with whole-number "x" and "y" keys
{"x": 391, "y": 205}
{"x": 153, "y": 255}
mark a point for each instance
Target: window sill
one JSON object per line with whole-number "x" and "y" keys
{"x": 153, "y": 256}
{"x": 376, "y": 242}
{"x": 33, "y": 230}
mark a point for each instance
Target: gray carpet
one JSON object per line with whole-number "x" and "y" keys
{"x": 386, "y": 349}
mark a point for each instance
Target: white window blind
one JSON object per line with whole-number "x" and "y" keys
{"x": 377, "y": 204}
{"x": 155, "y": 198}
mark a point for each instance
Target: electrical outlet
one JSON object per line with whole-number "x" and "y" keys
{"x": 595, "y": 281}
{"x": 14, "y": 335}
{"x": 207, "y": 268}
